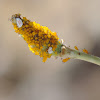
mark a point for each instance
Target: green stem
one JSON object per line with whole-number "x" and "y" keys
{"x": 67, "y": 52}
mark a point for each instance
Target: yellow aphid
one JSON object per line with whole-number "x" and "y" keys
{"x": 65, "y": 60}
{"x": 85, "y": 51}
{"x": 76, "y": 48}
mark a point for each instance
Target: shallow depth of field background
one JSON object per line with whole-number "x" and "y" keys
{"x": 23, "y": 75}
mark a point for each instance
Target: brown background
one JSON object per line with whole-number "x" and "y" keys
{"x": 23, "y": 75}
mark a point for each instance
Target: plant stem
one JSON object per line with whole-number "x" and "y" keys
{"x": 67, "y": 52}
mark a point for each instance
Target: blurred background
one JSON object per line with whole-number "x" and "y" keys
{"x": 23, "y": 75}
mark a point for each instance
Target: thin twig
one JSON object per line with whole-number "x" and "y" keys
{"x": 67, "y": 52}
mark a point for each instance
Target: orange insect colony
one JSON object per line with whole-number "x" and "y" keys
{"x": 40, "y": 39}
